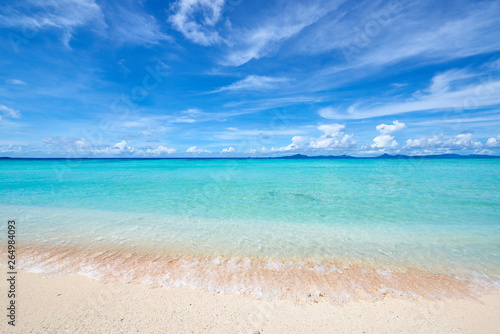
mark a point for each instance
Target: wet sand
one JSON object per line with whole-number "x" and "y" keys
{"x": 298, "y": 280}
{"x": 78, "y": 304}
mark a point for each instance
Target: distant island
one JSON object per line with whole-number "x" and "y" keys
{"x": 388, "y": 156}
{"x": 295, "y": 156}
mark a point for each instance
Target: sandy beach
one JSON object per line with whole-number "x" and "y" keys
{"x": 77, "y": 304}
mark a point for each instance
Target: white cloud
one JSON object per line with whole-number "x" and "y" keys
{"x": 127, "y": 25}
{"x": 280, "y": 25}
{"x": 331, "y": 129}
{"x": 9, "y": 112}
{"x": 464, "y": 141}
{"x": 63, "y": 15}
{"x": 228, "y": 150}
{"x": 240, "y": 134}
{"x": 118, "y": 148}
{"x": 437, "y": 39}
{"x": 259, "y": 42}
{"x": 132, "y": 26}
{"x": 482, "y": 93}
{"x": 384, "y": 141}
{"x": 190, "y": 115}
{"x": 425, "y": 142}
{"x": 484, "y": 151}
{"x": 152, "y": 131}
{"x": 387, "y": 129}
{"x": 161, "y": 150}
{"x": 332, "y": 143}
{"x": 441, "y": 82}
{"x": 372, "y": 40}
{"x": 82, "y": 143}
{"x": 328, "y": 112}
{"x": 194, "y": 149}
{"x": 493, "y": 142}
{"x": 185, "y": 17}
{"x": 66, "y": 146}
{"x": 121, "y": 145}
{"x": 265, "y": 150}
{"x": 332, "y": 139}
{"x": 253, "y": 82}
{"x": 16, "y": 82}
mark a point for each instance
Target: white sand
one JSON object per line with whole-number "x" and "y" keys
{"x": 76, "y": 304}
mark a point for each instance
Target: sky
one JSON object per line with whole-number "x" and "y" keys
{"x": 238, "y": 78}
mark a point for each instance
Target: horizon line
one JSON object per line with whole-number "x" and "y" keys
{"x": 294, "y": 156}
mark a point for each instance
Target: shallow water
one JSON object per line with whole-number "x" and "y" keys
{"x": 338, "y": 229}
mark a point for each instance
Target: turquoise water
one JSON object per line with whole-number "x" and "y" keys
{"x": 441, "y": 215}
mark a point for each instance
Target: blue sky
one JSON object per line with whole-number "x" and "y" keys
{"x": 248, "y": 78}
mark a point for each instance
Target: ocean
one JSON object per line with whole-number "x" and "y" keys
{"x": 272, "y": 228}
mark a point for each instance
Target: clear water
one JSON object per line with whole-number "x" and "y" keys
{"x": 258, "y": 219}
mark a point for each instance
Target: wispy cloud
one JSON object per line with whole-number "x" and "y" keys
{"x": 269, "y": 72}
{"x": 65, "y": 16}
{"x": 129, "y": 24}
{"x": 440, "y": 95}
{"x": 239, "y": 134}
{"x": 258, "y": 41}
{"x": 15, "y": 82}
{"x": 430, "y": 36}
{"x": 123, "y": 24}
{"x": 9, "y": 112}
{"x": 253, "y": 82}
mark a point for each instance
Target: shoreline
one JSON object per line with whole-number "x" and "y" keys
{"x": 304, "y": 280}
{"x": 78, "y": 304}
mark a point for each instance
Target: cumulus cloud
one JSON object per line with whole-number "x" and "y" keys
{"x": 161, "y": 150}
{"x": 196, "y": 20}
{"x": 464, "y": 141}
{"x": 425, "y": 142}
{"x": 228, "y": 150}
{"x": 118, "y": 148}
{"x": 493, "y": 142}
{"x": 391, "y": 128}
{"x": 384, "y": 141}
{"x": 333, "y": 138}
{"x": 194, "y": 149}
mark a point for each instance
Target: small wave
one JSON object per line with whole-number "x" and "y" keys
{"x": 301, "y": 280}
